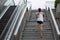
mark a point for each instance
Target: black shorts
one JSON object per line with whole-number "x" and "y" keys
{"x": 39, "y": 22}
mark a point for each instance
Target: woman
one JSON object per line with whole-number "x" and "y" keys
{"x": 39, "y": 16}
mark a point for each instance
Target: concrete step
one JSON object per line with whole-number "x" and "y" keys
{"x": 31, "y": 34}
{"x": 35, "y": 37}
{"x": 31, "y": 30}
{"x": 36, "y": 30}
{"x": 39, "y": 39}
{"x": 36, "y": 27}
{"x": 37, "y": 34}
{"x": 44, "y": 28}
{"x": 36, "y": 24}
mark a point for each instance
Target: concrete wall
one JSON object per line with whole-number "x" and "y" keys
{"x": 58, "y": 8}
{"x": 58, "y": 11}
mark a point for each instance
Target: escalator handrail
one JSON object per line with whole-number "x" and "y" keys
{"x": 16, "y": 31}
{"x": 54, "y": 21}
{"x": 7, "y": 35}
{"x": 13, "y": 23}
{"x": 21, "y": 18}
{"x": 13, "y": 26}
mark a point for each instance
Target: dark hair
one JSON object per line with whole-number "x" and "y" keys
{"x": 39, "y": 9}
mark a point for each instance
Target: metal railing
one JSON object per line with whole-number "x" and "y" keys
{"x": 54, "y": 21}
{"x": 21, "y": 24}
{"x": 16, "y": 31}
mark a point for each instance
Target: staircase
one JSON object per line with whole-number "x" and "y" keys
{"x": 31, "y": 30}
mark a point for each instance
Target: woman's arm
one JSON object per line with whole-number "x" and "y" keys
{"x": 43, "y": 14}
{"x": 37, "y": 14}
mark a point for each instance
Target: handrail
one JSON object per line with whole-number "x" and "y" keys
{"x": 13, "y": 23}
{"x": 21, "y": 18}
{"x": 16, "y": 31}
{"x": 7, "y": 35}
{"x": 54, "y": 21}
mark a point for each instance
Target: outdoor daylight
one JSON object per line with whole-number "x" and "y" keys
{"x": 29, "y": 19}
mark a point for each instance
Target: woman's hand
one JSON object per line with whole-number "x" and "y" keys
{"x": 37, "y": 14}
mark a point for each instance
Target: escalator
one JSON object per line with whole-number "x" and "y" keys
{"x": 30, "y": 31}
{"x": 10, "y": 18}
{"x": 4, "y": 21}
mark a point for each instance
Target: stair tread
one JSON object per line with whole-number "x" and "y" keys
{"x": 38, "y": 39}
{"x": 31, "y": 30}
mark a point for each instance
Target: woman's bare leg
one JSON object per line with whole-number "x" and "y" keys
{"x": 40, "y": 28}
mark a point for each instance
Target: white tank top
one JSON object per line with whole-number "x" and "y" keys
{"x": 40, "y": 17}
